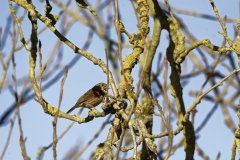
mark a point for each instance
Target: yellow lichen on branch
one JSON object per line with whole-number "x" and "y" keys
{"x": 137, "y": 40}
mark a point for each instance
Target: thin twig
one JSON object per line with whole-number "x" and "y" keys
{"x": 43, "y": 149}
{"x": 198, "y": 99}
{"x": 93, "y": 138}
{"x": 40, "y": 64}
{"x": 55, "y": 139}
{"x": 107, "y": 73}
{"x": 9, "y": 136}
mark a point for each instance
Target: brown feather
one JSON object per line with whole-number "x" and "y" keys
{"x": 91, "y": 98}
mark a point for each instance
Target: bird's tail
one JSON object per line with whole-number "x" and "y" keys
{"x": 70, "y": 110}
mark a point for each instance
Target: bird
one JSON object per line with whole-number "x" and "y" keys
{"x": 92, "y": 97}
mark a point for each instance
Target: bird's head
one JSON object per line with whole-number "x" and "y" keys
{"x": 103, "y": 86}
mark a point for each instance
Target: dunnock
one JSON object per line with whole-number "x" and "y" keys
{"x": 91, "y": 98}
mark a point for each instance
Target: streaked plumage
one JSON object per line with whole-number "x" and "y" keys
{"x": 91, "y": 98}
